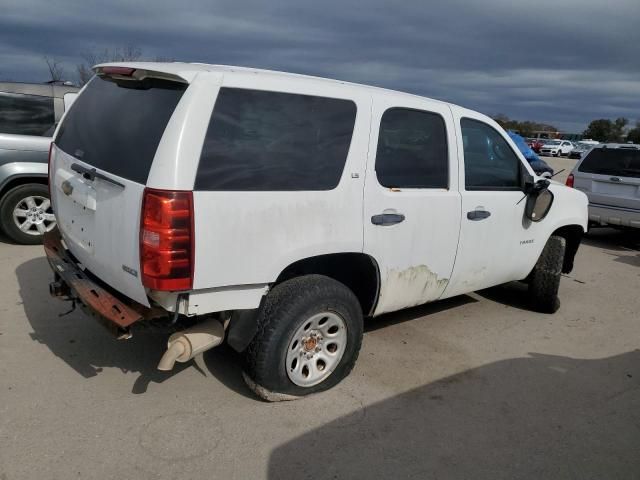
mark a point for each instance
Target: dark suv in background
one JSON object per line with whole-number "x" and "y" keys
{"x": 28, "y": 116}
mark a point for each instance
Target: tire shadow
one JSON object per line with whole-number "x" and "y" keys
{"x": 627, "y": 240}
{"x": 416, "y": 313}
{"x": 542, "y": 416}
{"x": 513, "y": 294}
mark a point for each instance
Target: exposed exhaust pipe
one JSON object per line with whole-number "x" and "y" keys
{"x": 183, "y": 346}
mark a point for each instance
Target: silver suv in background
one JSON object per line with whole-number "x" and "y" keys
{"x": 610, "y": 176}
{"x": 28, "y": 116}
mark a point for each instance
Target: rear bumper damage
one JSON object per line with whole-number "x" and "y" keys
{"x": 72, "y": 283}
{"x": 119, "y": 313}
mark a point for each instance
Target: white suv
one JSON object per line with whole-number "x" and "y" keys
{"x": 556, "y": 148}
{"x": 276, "y": 211}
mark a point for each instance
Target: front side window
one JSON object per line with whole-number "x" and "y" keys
{"x": 267, "y": 141}
{"x": 489, "y": 162}
{"x": 22, "y": 114}
{"x": 412, "y": 150}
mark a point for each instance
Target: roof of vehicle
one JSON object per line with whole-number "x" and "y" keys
{"x": 42, "y": 89}
{"x": 187, "y": 70}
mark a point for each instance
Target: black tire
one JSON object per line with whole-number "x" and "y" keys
{"x": 285, "y": 309}
{"x": 545, "y": 277}
{"x": 9, "y": 202}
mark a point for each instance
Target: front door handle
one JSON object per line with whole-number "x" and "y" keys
{"x": 386, "y": 219}
{"x": 476, "y": 215}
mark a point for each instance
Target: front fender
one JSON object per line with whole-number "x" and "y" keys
{"x": 570, "y": 207}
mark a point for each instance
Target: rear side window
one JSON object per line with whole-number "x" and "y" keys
{"x": 489, "y": 162}
{"x": 260, "y": 140}
{"x": 118, "y": 128}
{"x": 25, "y": 114}
{"x": 412, "y": 150}
{"x": 616, "y": 162}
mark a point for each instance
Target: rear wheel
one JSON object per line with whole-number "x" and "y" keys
{"x": 544, "y": 280}
{"x": 308, "y": 340}
{"x": 26, "y": 214}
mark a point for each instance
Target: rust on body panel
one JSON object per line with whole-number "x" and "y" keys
{"x": 95, "y": 297}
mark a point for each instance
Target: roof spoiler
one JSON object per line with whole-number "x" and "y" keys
{"x": 134, "y": 74}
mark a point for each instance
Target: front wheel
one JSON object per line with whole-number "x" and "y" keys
{"x": 26, "y": 214}
{"x": 544, "y": 280}
{"x": 308, "y": 340}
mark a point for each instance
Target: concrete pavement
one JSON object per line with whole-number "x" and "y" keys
{"x": 472, "y": 387}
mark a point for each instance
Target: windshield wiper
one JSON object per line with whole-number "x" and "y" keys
{"x": 92, "y": 174}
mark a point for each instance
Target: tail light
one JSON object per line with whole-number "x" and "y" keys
{"x": 166, "y": 240}
{"x": 569, "y": 182}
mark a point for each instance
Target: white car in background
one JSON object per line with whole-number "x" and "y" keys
{"x": 556, "y": 148}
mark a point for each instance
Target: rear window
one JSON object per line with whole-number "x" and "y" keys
{"x": 118, "y": 128}
{"x": 617, "y": 162}
{"x": 22, "y": 114}
{"x": 260, "y": 140}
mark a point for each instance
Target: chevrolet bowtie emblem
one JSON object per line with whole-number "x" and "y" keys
{"x": 67, "y": 188}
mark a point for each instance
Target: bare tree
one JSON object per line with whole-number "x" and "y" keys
{"x": 56, "y": 70}
{"x": 93, "y": 57}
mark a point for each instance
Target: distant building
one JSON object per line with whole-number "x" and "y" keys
{"x": 574, "y": 137}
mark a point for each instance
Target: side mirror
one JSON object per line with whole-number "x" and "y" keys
{"x": 538, "y": 204}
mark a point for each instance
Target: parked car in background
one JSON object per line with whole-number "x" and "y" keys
{"x": 610, "y": 176}
{"x": 535, "y": 144}
{"x": 277, "y": 211}
{"x": 539, "y": 166}
{"x": 581, "y": 148}
{"x": 556, "y": 148}
{"x": 28, "y": 116}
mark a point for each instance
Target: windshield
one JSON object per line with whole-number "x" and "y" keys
{"x": 552, "y": 142}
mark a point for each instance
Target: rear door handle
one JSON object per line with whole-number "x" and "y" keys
{"x": 386, "y": 219}
{"x": 476, "y": 215}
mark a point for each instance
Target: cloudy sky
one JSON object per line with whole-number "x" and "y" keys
{"x": 563, "y": 62}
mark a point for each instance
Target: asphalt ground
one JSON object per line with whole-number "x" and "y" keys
{"x": 477, "y": 386}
